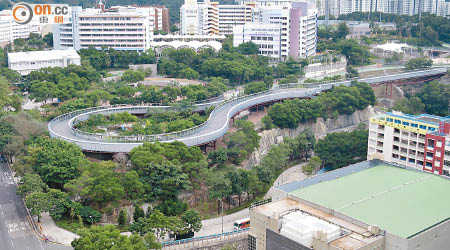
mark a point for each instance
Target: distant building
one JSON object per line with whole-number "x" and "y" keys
{"x": 119, "y": 27}
{"x": 26, "y": 62}
{"x": 212, "y": 18}
{"x": 296, "y": 25}
{"x": 266, "y": 36}
{"x": 372, "y": 205}
{"x": 10, "y": 30}
{"x": 418, "y": 141}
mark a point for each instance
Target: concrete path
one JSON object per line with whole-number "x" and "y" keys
{"x": 55, "y": 233}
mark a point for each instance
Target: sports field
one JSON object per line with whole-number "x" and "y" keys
{"x": 402, "y": 202}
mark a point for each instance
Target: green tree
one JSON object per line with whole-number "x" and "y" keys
{"x": 98, "y": 183}
{"x": 133, "y": 76}
{"x": 133, "y": 187}
{"x": 218, "y": 157}
{"x": 188, "y": 73}
{"x": 192, "y": 220}
{"x": 38, "y": 203}
{"x": 123, "y": 218}
{"x": 313, "y": 164}
{"x": 56, "y": 161}
{"x": 255, "y": 87}
{"x": 436, "y": 98}
{"x": 413, "y": 106}
{"x": 107, "y": 237}
{"x": 341, "y": 32}
{"x": 341, "y": 149}
{"x": 30, "y": 183}
{"x": 418, "y": 63}
{"x": 5, "y": 92}
{"x": 138, "y": 212}
{"x": 219, "y": 187}
{"x": 248, "y": 48}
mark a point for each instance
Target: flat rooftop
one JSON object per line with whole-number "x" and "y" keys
{"x": 402, "y": 202}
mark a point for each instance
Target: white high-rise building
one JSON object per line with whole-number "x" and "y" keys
{"x": 120, "y": 28}
{"x": 266, "y": 36}
{"x": 10, "y": 30}
{"x": 297, "y": 22}
{"x": 210, "y": 18}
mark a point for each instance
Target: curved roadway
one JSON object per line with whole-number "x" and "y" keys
{"x": 215, "y": 127}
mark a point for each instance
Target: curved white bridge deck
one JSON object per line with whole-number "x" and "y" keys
{"x": 215, "y": 127}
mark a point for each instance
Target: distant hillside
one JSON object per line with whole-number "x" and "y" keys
{"x": 173, "y": 5}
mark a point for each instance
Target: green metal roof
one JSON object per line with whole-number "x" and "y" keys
{"x": 402, "y": 202}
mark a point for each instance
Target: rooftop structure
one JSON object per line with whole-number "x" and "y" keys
{"x": 375, "y": 204}
{"x": 419, "y": 141}
{"x": 26, "y": 62}
{"x": 384, "y": 196}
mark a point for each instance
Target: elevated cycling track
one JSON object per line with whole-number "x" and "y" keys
{"x": 215, "y": 127}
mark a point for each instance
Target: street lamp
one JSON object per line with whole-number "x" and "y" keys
{"x": 92, "y": 220}
{"x": 221, "y": 206}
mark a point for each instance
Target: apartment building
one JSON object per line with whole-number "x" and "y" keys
{"x": 421, "y": 142}
{"x": 233, "y": 15}
{"x": 211, "y": 18}
{"x": 297, "y": 22}
{"x": 119, "y": 27}
{"x": 26, "y": 62}
{"x": 266, "y": 36}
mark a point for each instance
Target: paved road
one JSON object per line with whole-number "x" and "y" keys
{"x": 15, "y": 230}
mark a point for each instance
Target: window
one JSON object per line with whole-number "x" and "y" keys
{"x": 251, "y": 242}
{"x": 422, "y": 127}
{"x": 406, "y": 123}
{"x": 398, "y": 121}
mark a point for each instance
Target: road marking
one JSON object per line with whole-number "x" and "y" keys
{"x": 18, "y": 226}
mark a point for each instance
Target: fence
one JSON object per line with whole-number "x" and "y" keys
{"x": 206, "y": 240}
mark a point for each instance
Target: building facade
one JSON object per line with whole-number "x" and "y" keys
{"x": 211, "y": 18}
{"x": 120, "y": 27}
{"x": 297, "y": 23}
{"x": 10, "y": 30}
{"x": 266, "y": 36}
{"x": 421, "y": 142}
{"x": 26, "y": 62}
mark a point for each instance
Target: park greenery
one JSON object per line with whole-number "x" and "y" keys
{"x": 418, "y": 63}
{"x": 433, "y": 98}
{"x": 341, "y": 149}
{"x": 340, "y": 100}
{"x": 236, "y": 65}
{"x": 334, "y": 38}
{"x": 152, "y": 123}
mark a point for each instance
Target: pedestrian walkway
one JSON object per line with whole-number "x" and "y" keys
{"x": 55, "y": 233}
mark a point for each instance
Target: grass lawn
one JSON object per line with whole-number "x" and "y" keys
{"x": 69, "y": 224}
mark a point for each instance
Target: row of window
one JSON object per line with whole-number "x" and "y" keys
{"x": 261, "y": 38}
{"x": 414, "y": 125}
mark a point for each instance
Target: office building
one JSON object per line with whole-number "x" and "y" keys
{"x": 420, "y": 141}
{"x": 119, "y": 27}
{"x": 26, "y": 62}
{"x": 372, "y": 205}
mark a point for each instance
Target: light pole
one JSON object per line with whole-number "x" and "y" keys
{"x": 221, "y": 206}
{"x": 92, "y": 220}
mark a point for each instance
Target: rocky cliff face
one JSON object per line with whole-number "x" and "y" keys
{"x": 320, "y": 128}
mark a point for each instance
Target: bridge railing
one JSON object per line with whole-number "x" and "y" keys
{"x": 205, "y": 238}
{"x": 242, "y": 100}
{"x": 157, "y": 137}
